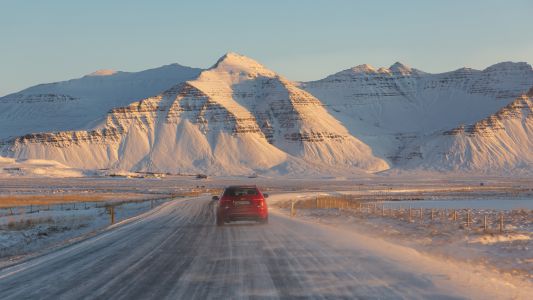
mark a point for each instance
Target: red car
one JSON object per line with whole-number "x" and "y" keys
{"x": 241, "y": 203}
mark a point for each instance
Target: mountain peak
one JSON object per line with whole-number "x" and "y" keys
{"x": 103, "y": 72}
{"x": 509, "y": 65}
{"x": 398, "y": 67}
{"x": 233, "y": 62}
{"x": 364, "y": 68}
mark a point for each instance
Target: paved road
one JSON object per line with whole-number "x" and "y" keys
{"x": 176, "y": 252}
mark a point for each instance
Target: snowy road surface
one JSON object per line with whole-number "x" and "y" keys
{"x": 175, "y": 251}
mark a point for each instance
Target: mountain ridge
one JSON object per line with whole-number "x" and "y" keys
{"x": 211, "y": 124}
{"x": 239, "y": 117}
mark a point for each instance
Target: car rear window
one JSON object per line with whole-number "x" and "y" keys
{"x": 238, "y": 191}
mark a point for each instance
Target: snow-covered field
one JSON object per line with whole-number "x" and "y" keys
{"x": 510, "y": 253}
{"x": 177, "y": 252}
{"x": 24, "y": 231}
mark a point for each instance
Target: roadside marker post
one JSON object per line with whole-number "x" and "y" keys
{"x": 112, "y": 214}
{"x": 293, "y": 212}
{"x": 501, "y": 222}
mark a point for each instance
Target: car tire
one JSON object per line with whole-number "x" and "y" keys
{"x": 220, "y": 221}
{"x": 264, "y": 221}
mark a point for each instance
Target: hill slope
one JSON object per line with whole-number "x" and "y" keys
{"x": 500, "y": 143}
{"x": 235, "y": 118}
{"x": 393, "y": 108}
{"x": 81, "y": 103}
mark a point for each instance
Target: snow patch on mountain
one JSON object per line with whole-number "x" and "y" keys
{"x": 35, "y": 168}
{"x": 103, "y": 72}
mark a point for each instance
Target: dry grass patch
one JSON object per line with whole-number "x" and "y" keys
{"x": 341, "y": 201}
{"x": 26, "y": 200}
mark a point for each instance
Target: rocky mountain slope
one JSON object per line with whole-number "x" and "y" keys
{"x": 500, "y": 143}
{"x": 394, "y": 108}
{"x": 235, "y": 118}
{"x": 81, "y": 103}
{"x": 238, "y": 117}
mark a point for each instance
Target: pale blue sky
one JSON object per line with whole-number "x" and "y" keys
{"x": 46, "y": 41}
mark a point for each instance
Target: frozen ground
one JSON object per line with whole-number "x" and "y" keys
{"x": 176, "y": 252}
{"x": 320, "y": 253}
{"x": 25, "y": 232}
{"x": 509, "y": 252}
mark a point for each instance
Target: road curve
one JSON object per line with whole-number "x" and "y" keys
{"x": 175, "y": 251}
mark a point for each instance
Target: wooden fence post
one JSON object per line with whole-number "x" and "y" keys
{"x": 501, "y": 222}
{"x": 293, "y": 212}
{"x": 111, "y": 212}
{"x": 485, "y": 227}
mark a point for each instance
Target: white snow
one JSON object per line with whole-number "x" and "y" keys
{"x": 398, "y": 112}
{"x": 239, "y": 117}
{"x": 82, "y": 103}
{"x": 36, "y": 168}
{"x": 24, "y": 232}
{"x": 492, "y": 239}
{"x": 508, "y": 252}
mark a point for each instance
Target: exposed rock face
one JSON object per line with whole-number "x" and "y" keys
{"x": 237, "y": 117}
{"x": 36, "y": 98}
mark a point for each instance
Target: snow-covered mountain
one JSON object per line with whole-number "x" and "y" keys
{"x": 392, "y": 109}
{"x": 237, "y": 117}
{"x": 80, "y": 103}
{"x": 500, "y": 143}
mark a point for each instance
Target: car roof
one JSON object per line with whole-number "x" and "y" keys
{"x": 242, "y": 187}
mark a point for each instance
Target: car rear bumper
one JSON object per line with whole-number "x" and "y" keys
{"x": 243, "y": 218}
{"x": 243, "y": 215}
